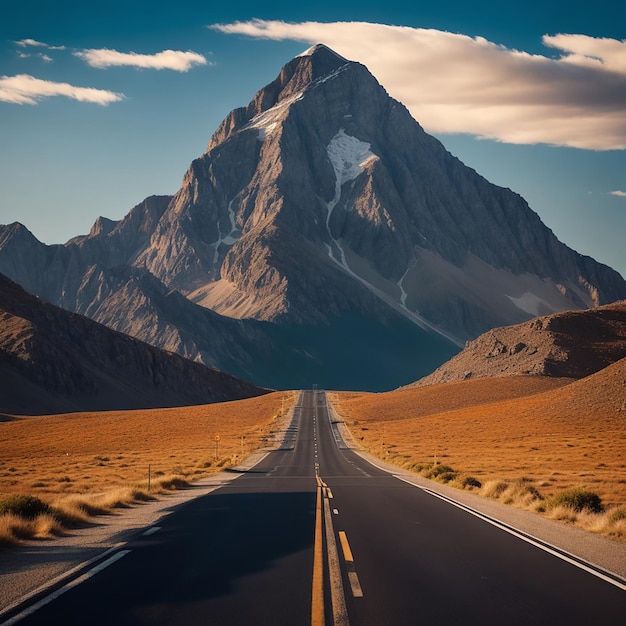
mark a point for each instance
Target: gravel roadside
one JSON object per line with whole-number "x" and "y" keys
{"x": 601, "y": 552}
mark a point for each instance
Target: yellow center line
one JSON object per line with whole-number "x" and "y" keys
{"x": 338, "y": 600}
{"x": 317, "y": 597}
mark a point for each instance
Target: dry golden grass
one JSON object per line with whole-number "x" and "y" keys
{"x": 85, "y": 464}
{"x": 14, "y": 528}
{"x": 523, "y": 438}
{"x": 83, "y": 453}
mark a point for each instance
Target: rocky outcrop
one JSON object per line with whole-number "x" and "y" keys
{"x": 571, "y": 344}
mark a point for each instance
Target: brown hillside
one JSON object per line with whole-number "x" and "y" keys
{"x": 571, "y": 344}
{"x": 569, "y": 435}
{"x": 53, "y": 361}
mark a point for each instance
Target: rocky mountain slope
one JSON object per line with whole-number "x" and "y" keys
{"x": 571, "y": 344}
{"x": 319, "y": 209}
{"x": 54, "y": 361}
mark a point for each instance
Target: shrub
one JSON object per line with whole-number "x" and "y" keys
{"x": 494, "y": 488}
{"x": 578, "y": 499}
{"x": 27, "y": 507}
{"x": 438, "y": 470}
{"x": 470, "y": 481}
{"x": 446, "y": 477}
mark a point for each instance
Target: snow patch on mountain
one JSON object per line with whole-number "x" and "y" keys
{"x": 316, "y": 48}
{"x": 328, "y": 77}
{"x": 228, "y": 238}
{"x": 267, "y": 121}
{"x": 403, "y": 293}
{"x": 348, "y": 156}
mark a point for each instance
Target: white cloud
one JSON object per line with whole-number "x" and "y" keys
{"x": 590, "y": 51}
{"x": 167, "y": 59}
{"x": 24, "y": 43}
{"x": 31, "y": 42}
{"x": 454, "y": 83}
{"x": 620, "y": 194}
{"x": 25, "y": 89}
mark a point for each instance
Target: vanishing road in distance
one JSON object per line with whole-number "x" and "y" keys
{"x": 316, "y": 535}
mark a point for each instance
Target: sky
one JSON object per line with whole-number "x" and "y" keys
{"x": 103, "y": 104}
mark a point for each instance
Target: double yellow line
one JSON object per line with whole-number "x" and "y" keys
{"x": 338, "y": 600}
{"x": 317, "y": 603}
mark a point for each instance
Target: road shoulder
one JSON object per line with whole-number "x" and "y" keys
{"x": 601, "y": 552}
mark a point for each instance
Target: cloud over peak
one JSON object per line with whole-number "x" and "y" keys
{"x": 454, "y": 83}
{"x": 176, "y": 60}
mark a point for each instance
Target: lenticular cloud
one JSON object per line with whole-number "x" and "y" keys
{"x": 454, "y": 83}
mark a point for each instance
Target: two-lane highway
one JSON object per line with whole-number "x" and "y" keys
{"x": 316, "y": 535}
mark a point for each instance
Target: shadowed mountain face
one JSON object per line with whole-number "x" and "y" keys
{"x": 320, "y": 209}
{"x": 571, "y": 344}
{"x": 54, "y": 361}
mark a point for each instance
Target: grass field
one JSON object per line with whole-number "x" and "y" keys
{"x": 524, "y": 440}
{"x": 85, "y": 462}
{"x": 527, "y": 441}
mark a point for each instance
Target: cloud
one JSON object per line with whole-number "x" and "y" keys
{"x": 25, "y": 89}
{"x": 620, "y": 194}
{"x": 587, "y": 51}
{"x": 39, "y": 55}
{"x": 168, "y": 59}
{"x": 453, "y": 83}
{"x": 24, "y": 43}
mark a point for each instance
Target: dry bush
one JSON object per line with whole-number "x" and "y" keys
{"x": 578, "y": 499}
{"x": 46, "y": 526}
{"x": 15, "y": 528}
{"x": 494, "y": 489}
{"x": 76, "y": 509}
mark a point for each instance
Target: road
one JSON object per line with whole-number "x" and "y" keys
{"x": 315, "y": 535}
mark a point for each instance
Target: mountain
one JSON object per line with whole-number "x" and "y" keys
{"x": 321, "y": 219}
{"x": 54, "y": 361}
{"x": 570, "y": 344}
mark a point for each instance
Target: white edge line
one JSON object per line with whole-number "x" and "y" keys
{"x": 535, "y": 541}
{"x": 59, "y": 592}
{"x": 57, "y": 580}
{"x": 151, "y": 531}
{"x": 520, "y": 535}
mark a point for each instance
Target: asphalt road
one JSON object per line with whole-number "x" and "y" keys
{"x": 316, "y": 535}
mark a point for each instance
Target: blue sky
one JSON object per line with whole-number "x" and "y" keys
{"x": 95, "y": 115}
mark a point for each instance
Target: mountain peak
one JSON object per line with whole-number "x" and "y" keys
{"x": 313, "y": 66}
{"x": 320, "y": 49}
